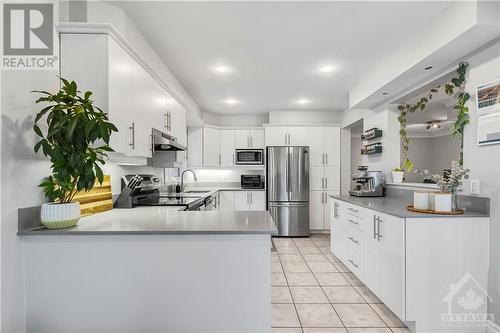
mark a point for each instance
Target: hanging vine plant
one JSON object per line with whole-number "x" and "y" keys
{"x": 455, "y": 87}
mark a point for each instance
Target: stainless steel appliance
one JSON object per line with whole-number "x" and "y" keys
{"x": 252, "y": 181}
{"x": 144, "y": 190}
{"x": 367, "y": 183}
{"x": 164, "y": 149}
{"x": 249, "y": 156}
{"x": 287, "y": 181}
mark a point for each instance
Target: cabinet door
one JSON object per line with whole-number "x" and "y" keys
{"x": 242, "y": 139}
{"x": 211, "y": 146}
{"x": 226, "y": 201}
{"x": 195, "y": 147}
{"x": 257, "y": 140}
{"x": 337, "y": 234}
{"x": 299, "y": 136}
{"x": 316, "y": 210}
{"x": 371, "y": 252}
{"x": 241, "y": 200}
{"x": 227, "y": 148}
{"x": 257, "y": 200}
{"x": 317, "y": 178}
{"x": 331, "y": 137}
{"x": 329, "y": 209}
{"x": 332, "y": 178}
{"x": 276, "y": 136}
{"x": 391, "y": 230}
{"x": 121, "y": 97}
{"x": 316, "y": 146}
{"x": 179, "y": 129}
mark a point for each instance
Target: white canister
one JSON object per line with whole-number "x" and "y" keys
{"x": 421, "y": 200}
{"x": 442, "y": 202}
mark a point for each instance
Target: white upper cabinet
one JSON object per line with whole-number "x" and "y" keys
{"x": 134, "y": 100}
{"x": 287, "y": 136}
{"x": 195, "y": 147}
{"x": 211, "y": 147}
{"x": 324, "y": 143}
{"x": 227, "y": 147}
{"x": 249, "y": 139}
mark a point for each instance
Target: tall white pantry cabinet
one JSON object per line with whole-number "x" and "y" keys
{"x": 135, "y": 101}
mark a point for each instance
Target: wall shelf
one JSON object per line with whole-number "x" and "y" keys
{"x": 372, "y": 133}
{"x": 372, "y": 149}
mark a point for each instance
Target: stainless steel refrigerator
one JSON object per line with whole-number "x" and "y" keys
{"x": 287, "y": 180}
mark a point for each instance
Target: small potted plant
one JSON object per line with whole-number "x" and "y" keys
{"x": 446, "y": 199}
{"x": 76, "y": 141}
{"x": 398, "y": 175}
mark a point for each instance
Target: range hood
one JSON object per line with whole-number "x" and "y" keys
{"x": 165, "y": 148}
{"x": 165, "y": 142}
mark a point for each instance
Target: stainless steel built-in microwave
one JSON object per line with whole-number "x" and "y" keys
{"x": 249, "y": 156}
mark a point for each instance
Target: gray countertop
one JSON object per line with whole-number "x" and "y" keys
{"x": 167, "y": 220}
{"x": 397, "y": 206}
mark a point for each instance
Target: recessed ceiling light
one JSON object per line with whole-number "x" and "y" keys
{"x": 231, "y": 101}
{"x": 428, "y": 67}
{"x": 303, "y": 101}
{"x": 222, "y": 69}
{"x": 326, "y": 69}
{"x": 385, "y": 93}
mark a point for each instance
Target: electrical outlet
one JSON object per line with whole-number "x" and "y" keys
{"x": 475, "y": 186}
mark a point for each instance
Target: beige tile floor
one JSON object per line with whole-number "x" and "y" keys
{"x": 313, "y": 292}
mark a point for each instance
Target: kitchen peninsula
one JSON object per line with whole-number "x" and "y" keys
{"x": 152, "y": 269}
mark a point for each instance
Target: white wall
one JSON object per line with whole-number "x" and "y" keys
{"x": 309, "y": 116}
{"x": 484, "y": 162}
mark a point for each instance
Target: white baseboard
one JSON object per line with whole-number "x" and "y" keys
{"x": 492, "y": 328}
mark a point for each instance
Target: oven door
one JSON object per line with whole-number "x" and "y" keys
{"x": 249, "y": 156}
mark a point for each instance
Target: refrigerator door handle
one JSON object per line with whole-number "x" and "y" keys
{"x": 288, "y": 204}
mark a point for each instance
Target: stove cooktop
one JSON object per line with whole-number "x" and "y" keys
{"x": 167, "y": 201}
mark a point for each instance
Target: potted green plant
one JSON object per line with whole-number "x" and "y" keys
{"x": 76, "y": 142}
{"x": 398, "y": 175}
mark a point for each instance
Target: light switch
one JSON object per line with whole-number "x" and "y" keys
{"x": 475, "y": 186}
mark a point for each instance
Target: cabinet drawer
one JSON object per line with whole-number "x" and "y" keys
{"x": 353, "y": 255}
{"x": 353, "y": 221}
{"x": 353, "y": 210}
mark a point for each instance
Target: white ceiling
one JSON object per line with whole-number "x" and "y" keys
{"x": 275, "y": 48}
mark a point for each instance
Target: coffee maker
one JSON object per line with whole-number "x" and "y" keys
{"x": 367, "y": 183}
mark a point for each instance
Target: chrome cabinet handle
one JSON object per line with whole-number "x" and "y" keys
{"x": 132, "y": 128}
{"x": 323, "y": 158}
{"x": 335, "y": 210}
{"x": 378, "y": 228}
{"x": 322, "y": 183}
{"x": 353, "y": 222}
{"x": 251, "y": 141}
{"x": 220, "y": 159}
{"x": 326, "y": 183}
{"x": 353, "y": 263}
{"x": 353, "y": 210}
{"x": 353, "y": 240}
{"x": 326, "y": 155}
{"x": 374, "y": 227}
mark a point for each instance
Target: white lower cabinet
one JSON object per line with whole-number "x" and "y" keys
{"x": 319, "y": 210}
{"x": 226, "y": 200}
{"x": 250, "y": 200}
{"x": 410, "y": 263}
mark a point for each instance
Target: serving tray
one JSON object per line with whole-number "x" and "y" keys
{"x": 428, "y": 211}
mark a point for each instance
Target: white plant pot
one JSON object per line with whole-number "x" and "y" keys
{"x": 57, "y": 216}
{"x": 442, "y": 202}
{"x": 397, "y": 177}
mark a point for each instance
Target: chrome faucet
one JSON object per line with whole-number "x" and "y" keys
{"x": 182, "y": 177}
